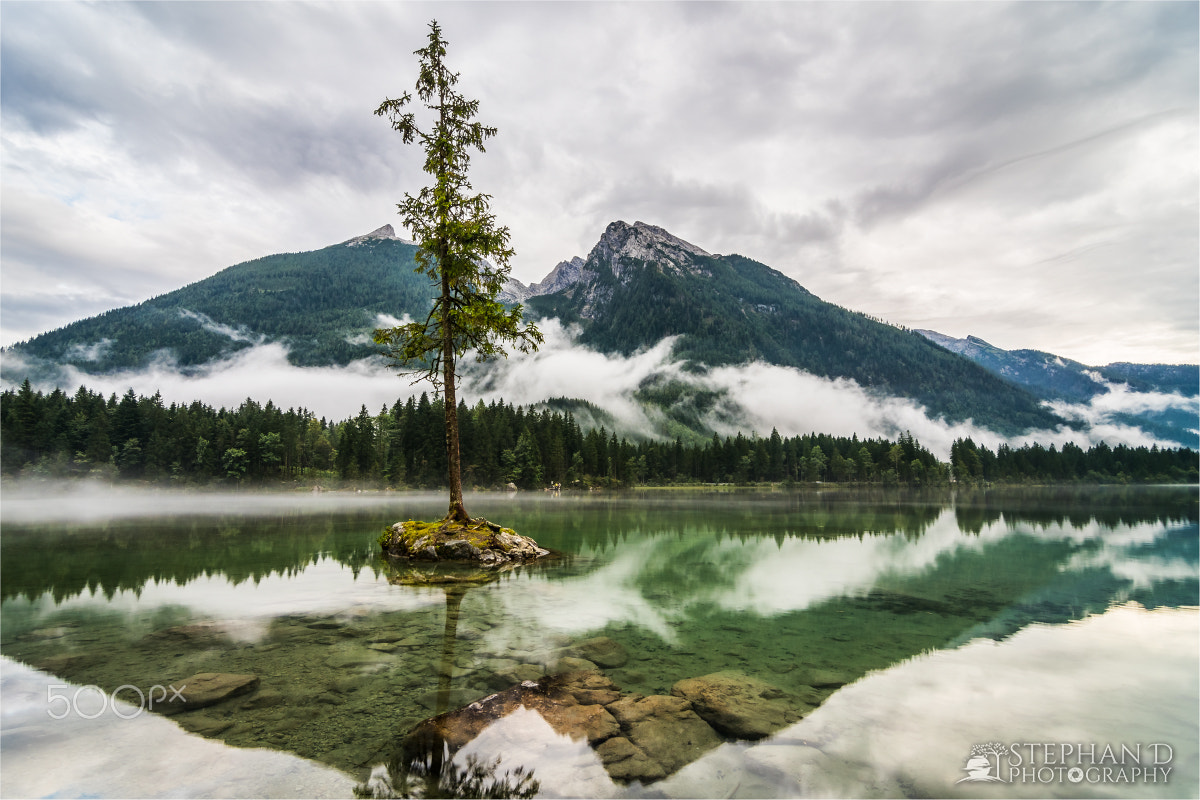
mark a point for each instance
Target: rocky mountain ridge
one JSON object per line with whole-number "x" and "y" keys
{"x": 386, "y": 232}
{"x": 623, "y": 243}
{"x": 621, "y": 247}
{"x": 1052, "y": 376}
{"x": 564, "y": 275}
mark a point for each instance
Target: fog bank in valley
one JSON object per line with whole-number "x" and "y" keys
{"x": 751, "y": 398}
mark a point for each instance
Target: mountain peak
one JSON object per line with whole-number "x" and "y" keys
{"x": 642, "y": 242}
{"x": 564, "y": 275}
{"x": 384, "y": 232}
{"x": 620, "y": 242}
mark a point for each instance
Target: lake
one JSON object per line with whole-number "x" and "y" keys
{"x": 1002, "y": 643}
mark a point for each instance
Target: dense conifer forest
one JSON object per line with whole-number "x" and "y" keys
{"x": 56, "y": 435}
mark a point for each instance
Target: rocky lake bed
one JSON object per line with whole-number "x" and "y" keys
{"x": 373, "y": 684}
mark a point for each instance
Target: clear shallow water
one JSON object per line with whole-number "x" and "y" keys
{"x": 947, "y": 621}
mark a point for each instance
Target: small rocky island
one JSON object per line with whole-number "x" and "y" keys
{"x": 476, "y": 541}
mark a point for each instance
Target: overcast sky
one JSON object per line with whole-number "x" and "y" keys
{"x": 1027, "y": 172}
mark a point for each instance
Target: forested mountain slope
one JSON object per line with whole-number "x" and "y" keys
{"x": 320, "y": 303}
{"x": 640, "y": 284}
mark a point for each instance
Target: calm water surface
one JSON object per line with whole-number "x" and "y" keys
{"x": 905, "y": 629}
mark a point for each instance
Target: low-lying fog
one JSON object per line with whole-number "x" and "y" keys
{"x": 91, "y": 501}
{"x": 762, "y": 396}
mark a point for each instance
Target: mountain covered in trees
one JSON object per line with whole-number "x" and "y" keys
{"x": 640, "y": 284}
{"x": 322, "y": 304}
{"x": 637, "y": 285}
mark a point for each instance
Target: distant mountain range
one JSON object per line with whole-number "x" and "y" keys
{"x": 1053, "y": 378}
{"x": 638, "y": 285}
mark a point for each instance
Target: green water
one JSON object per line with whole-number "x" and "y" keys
{"x": 807, "y": 592}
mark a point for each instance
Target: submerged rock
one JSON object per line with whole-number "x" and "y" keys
{"x": 571, "y": 664}
{"x": 737, "y": 705}
{"x": 825, "y": 678}
{"x": 508, "y": 672}
{"x": 48, "y": 633}
{"x": 205, "y": 689}
{"x": 266, "y": 698}
{"x": 589, "y": 687}
{"x": 550, "y": 697}
{"x": 205, "y": 725}
{"x": 637, "y": 738}
{"x": 665, "y": 728}
{"x": 354, "y": 656}
{"x": 624, "y": 761}
{"x": 197, "y": 633}
{"x": 478, "y": 541}
{"x": 601, "y": 650}
{"x": 63, "y": 664}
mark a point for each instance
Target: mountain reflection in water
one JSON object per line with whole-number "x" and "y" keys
{"x": 813, "y": 595}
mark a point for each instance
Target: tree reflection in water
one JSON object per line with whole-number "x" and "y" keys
{"x": 455, "y": 580}
{"x": 431, "y": 777}
{"x": 437, "y": 774}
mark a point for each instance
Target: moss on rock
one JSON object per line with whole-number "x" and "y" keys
{"x": 477, "y": 541}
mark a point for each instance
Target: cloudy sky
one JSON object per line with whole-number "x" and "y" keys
{"x": 1027, "y": 172}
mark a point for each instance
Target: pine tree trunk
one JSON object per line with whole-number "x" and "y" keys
{"x": 458, "y": 511}
{"x": 453, "y": 454}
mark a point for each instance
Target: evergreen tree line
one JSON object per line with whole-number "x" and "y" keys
{"x": 972, "y": 463}
{"x": 141, "y": 438}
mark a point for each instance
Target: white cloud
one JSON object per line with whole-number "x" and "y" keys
{"x": 91, "y": 352}
{"x": 260, "y": 373}
{"x": 562, "y": 368}
{"x": 754, "y": 398}
{"x": 381, "y": 321}
{"x": 1121, "y": 399}
{"x": 238, "y": 334}
{"x": 1022, "y": 172}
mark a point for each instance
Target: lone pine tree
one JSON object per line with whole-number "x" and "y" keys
{"x": 461, "y": 249}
